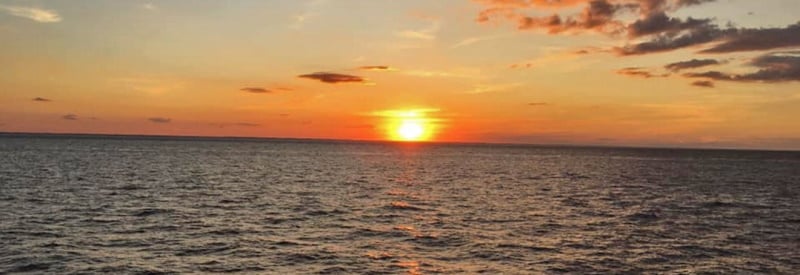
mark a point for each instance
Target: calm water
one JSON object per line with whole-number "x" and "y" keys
{"x": 161, "y": 206}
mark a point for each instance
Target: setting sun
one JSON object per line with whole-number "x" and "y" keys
{"x": 410, "y": 130}
{"x": 409, "y": 125}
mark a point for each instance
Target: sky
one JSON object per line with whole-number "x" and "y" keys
{"x": 674, "y": 73}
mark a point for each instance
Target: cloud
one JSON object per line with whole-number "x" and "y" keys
{"x": 427, "y": 33}
{"x": 150, "y": 6}
{"x": 150, "y": 85}
{"x": 41, "y": 99}
{"x": 538, "y": 104}
{"x": 703, "y": 83}
{"x": 758, "y": 39}
{"x": 492, "y": 88}
{"x": 256, "y": 90}
{"x": 473, "y": 40}
{"x": 728, "y": 40}
{"x": 774, "y": 67}
{"x": 661, "y": 31}
{"x": 333, "y": 78}
{"x": 605, "y": 16}
{"x": 691, "y": 64}
{"x": 35, "y": 14}
{"x": 379, "y": 68}
{"x": 238, "y": 124}
{"x": 664, "y": 43}
{"x": 436, "y": 73}
{"x": 639, "y": 72}
{"x": 70, "y": 117}
{"x": 159, "y": 120}
{"x": 661, "y": 23}
{"x": 597, "y": 15}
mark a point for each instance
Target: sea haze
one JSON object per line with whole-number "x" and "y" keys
{"x": 133, "y": 205}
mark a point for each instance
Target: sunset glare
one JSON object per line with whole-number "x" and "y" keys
{"x": 408, "y": 125}
{"x": 410, "y": 130}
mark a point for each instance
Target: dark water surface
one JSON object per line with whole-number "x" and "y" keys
{"x": 77, "y": 205}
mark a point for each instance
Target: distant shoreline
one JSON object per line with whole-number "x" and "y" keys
{"x": 355, "y": 141}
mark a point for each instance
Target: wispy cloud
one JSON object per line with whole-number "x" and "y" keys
{"x": 477, "y": 39}
{"x": 379, "y": 68}
{"x": 639, "y": 72}
{"x": 35, "y": 14}
{"x": 728, "y": 40}
{"x": 256, "y": 90}
{"x": 774, "y": 67}
{"x": 41, "y": 99}
{"x": 333, "y": 78}
{"x": 538, "y": 104}
{"x": 150, "y": 85}
{"x": 451, "y": 73}
{"x": 691, "y": 64}
{"x": 235, "y": 124}
{"x": 552, "y": 57}
{"x": 493, "y": 88}
{"x": 758, "y": 39}
{"x": 703, "y": 83}
{"x": 70, "y": 117}
{"x": 159, "y": 120}
{"x": 310, "y": 10}
{"x": 150, "y": 6}
{"x": 427, "y": 33}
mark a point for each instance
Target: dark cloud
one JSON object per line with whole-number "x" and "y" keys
{"x": 597, "y": 15}
{"x": 159, "y": 120}
{"x": 776, "y": 67}
{"x": 703, "y": 83}
{"x": 664, "y": 43}
{"x": 639, "y": 72}
{"x": 711, "y": 75}
{"x": 660, "y": 23}
{"x": 255, "y": 90}
{"x": 70, "y": 117}
{"x": 581, "y": 52}
{"x": 693, "y": 2}
{"x": 334, "y": 78}
{"x": 729, "y": 40}
{"x": 691, "y": 64}
{"x": 606, "y": 16}
{"x": 41, "y": 99}
{"x": 662, "y": 31}
{"x": 758, "y": 39}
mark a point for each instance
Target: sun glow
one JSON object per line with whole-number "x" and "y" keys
{"x": 410, "y": 130}
{"x": 409, "y": 125}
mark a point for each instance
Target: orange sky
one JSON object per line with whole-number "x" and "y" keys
{"x": 606, "y": 72}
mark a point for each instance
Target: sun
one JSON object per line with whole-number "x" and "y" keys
{"x": 410, "y": 130}
{"x": 409, "y": 125}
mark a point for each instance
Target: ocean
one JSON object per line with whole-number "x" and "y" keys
{"x": 136, "y": 205}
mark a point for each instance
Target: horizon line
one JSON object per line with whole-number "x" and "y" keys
{"x": 335, "y": 140}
